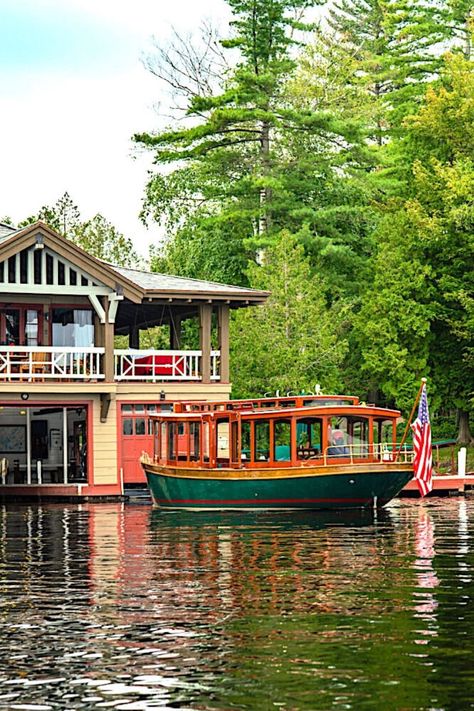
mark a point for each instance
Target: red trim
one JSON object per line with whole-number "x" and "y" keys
{"x": 87, "y": 404}
{"x": 227, "y": 502}
{"x": 22, "y": 308}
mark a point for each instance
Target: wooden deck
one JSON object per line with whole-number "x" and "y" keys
{"x": 443, "y": 485}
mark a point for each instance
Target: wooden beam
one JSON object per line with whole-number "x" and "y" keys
{"x": 223, "y": 334}
{"x": 205, "y": 319}
{"x": 109, "y": 359}
{"x": 105, "y": 399}
{"x": 98, "y": 308}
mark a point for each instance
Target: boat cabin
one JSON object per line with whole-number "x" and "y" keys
{"x": 269, "y": 433}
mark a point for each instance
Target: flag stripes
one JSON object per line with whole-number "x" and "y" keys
{"x": 422, "y": 461}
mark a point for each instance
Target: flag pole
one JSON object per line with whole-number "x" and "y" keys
{"x": 417, "y": 400}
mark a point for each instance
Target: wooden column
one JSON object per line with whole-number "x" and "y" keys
{"x": 205, "y": 319}
{"x": 175, "y": 333}
{"x": 223, "y": 333}
{"x": 47, "y": 316}
{"x": 109, "y": 365}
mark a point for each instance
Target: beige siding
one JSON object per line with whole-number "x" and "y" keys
{"x": 105, "y": 445}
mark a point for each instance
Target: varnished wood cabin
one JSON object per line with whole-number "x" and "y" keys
{"x": 75, "y": 408}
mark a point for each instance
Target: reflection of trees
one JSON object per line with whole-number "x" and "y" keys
{"x": 242, "y": 610}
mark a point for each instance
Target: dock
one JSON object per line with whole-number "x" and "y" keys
{"x": 443, "y": 485}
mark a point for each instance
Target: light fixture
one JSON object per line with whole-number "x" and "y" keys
{"x": 162, "y": 395}
{"x": 39, "y": 244}
{"x": 24, "y": 396}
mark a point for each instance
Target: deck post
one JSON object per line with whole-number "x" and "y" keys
{"x": 109, "y": 365}
{"x": 223, "y": 331}
{"x": 205, "y": 319}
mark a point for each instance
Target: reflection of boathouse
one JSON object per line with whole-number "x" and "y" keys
{"x": 74, "y": 397}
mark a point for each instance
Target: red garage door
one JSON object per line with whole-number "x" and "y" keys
{"x": 136, "y": 437}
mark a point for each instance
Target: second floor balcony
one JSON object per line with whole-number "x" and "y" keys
{"x": 86, "y": 364}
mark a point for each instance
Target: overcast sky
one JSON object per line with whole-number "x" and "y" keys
{"x": 73, "y": 90}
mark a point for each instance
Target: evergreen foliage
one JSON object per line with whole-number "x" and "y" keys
{"x": 96, "y": 236}
{"x": 337, "y": 171}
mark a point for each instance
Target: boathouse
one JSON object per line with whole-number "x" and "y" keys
{"x": 77, "y": 381}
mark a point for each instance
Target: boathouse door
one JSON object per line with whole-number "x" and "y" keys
{"x": 136, "y": 437}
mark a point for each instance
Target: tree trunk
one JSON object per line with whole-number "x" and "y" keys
{"x": 464, "y": 431}
{"x": 265, "y": 192}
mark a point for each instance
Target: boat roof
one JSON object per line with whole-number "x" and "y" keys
{"x": 262, "y": 413}
{"x": 301, "y": 400}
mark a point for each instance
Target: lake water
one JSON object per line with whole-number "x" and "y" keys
{"x": 118, "y": 606}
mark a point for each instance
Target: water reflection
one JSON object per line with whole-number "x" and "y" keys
{"x": 116, "y": 606}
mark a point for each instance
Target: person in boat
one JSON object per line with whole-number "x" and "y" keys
{"x": 338, "y": 443}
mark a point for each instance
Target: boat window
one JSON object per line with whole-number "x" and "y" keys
{"x": 309, "y": 437}
{"x": 245, "y": 444}
{"x": 383, "y": 436}
{"x": 288, "y": 403}
{"x": 235, "y": 444}
{"x": 262, "y": 441}
{"x": 282, "y": 440}
{"x": 156, "y": 438}
{"x": 338, "y": 437}
{"x": 172, "y": 432}
{"x": 194, "y": 441}
{"x": 205, "y": 441}
{"x": 358, "y": 438}
{"x": 182, "y": 440}
{"x": 163, "y": 441}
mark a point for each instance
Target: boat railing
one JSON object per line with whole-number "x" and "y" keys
{"x": 378, "y": 452}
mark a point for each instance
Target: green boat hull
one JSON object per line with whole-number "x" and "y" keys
{"x": 347, "y": 489}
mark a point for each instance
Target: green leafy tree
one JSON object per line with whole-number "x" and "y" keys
{"x": 96, "y": 236}
{"x": 63, "y": 216}
{"x": 234, "y": 161}
{"x": 295, "y": 340}
{"x": 417, "y": 316}
{"x": 100, "y": 238}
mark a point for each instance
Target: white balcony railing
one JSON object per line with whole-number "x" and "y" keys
{"x": 50, "y": 363}
{"x": 61, "y": 363}
{"x": 155, "y": 366}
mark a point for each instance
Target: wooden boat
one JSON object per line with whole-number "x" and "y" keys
{"x": 313, "y": 452}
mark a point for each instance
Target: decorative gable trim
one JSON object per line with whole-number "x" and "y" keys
{"x": 73, "y": 257}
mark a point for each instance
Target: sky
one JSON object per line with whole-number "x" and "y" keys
{"x": 73, "y": 90}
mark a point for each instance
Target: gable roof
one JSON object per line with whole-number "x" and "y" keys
{"x": 167, "y": 284}
{"x": 6, "y": 231}
{"x": 135, "y": 284}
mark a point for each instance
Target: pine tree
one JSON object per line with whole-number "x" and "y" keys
{"x": 391, "y": 43}
{"x": 230, "y": 157}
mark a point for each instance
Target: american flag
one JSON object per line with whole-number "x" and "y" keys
{"x": 422, "y": 462}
